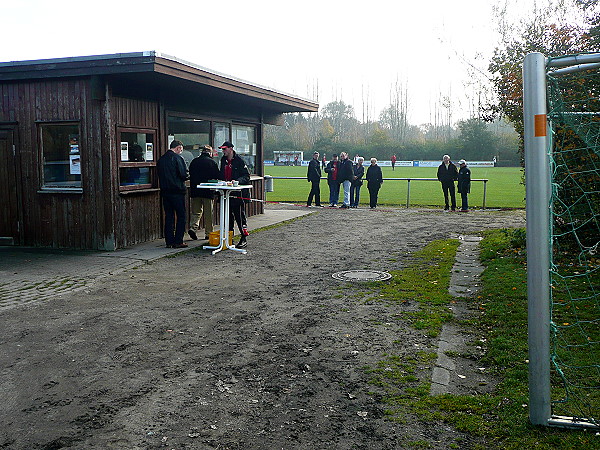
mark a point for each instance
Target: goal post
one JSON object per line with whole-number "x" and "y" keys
{"x": 561, "y": 180}
{"x": 537, "y": 192}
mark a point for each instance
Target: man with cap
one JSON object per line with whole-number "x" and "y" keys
{"x": 234, "y": 168}
{"x": 332, "y": 180}
{"x": 202, "y": 169}
{"x": 447, "y": 174}
{"x": 172, "y": 174}
{"x": 464, "y": 184}
{"x": 313, "y": 175}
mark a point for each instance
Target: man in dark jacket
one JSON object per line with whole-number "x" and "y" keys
{"x": 171, "y": 176}
{"x": 464, "y": 184}
{"x": 233, "y": 168}
{"x": 332, "y": 180}
{"x": 313, "y": 175}
{"x": 202, "y": 169}
{"x": 447, "y": 174}
{"x": 345, "y": 177}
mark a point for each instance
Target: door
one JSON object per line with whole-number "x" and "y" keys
{"x": 10, "y": 229}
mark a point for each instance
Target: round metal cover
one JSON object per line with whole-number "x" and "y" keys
{"x": 362, "y": 275}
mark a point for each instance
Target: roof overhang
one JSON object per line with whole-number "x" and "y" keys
{"x": 158, "y": 69}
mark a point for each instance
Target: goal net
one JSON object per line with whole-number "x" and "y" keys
{"x": 573, "y": 95}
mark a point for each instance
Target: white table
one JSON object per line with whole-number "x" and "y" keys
{"x": 224, "y": 193}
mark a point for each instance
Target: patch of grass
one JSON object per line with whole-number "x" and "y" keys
{"x": 425, "y": 281}
{"x": 499, "y": 419}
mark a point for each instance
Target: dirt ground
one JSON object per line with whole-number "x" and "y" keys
{"x": 256, "y": 351}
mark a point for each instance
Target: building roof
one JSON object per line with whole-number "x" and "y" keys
{"x": 158, "y": 70}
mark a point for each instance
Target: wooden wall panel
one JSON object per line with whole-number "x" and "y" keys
{"x": 138, "y": 214}
{"x": 101, "y": 217}
{"x": 56, "y": 219}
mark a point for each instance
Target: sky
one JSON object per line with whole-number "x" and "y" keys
{"x": 321, "y": 50}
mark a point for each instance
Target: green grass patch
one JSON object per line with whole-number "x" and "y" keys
{"x": 500, "y": 420}
{"x": 504, "y": 188}
{"x": 425, "y": 282}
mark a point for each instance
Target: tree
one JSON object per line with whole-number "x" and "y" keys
{"x": 476, "y": 141}
{"x": 342, "y": 119}
{"x": 545, "y": 33}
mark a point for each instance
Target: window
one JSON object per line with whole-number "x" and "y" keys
{"x": 221, "y": 134}
{"x": 61, "y": 156}
{"x": 136, "y": 158}
{"x": 244, "y": 142}
{"x": 194, "y": 133}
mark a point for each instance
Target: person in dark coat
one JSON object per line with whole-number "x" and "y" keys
{"x": 447, "y": 175}
{"x": 172, "y": 174}
{"x": 202, "y": 169}
{"x": 233, "y": 168}
{"x": 345, "y": 176}
{"x": 374, "y": 182}
{"x": 332, "y": 169}
{"x": 357, "y": 182}
{"x": 313, "y": 175}
{"x": 464, "y": 184}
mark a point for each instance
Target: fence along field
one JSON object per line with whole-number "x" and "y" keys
{"x": 504, "y": 188}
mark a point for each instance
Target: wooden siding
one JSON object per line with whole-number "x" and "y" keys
{"x": 58, "y": 219}
{"x": 138, "y": 215}
{"x": 100, "y": 216}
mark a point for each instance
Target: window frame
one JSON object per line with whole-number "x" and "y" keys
{"x": 44, "y": 187}
{"x": 151, "y": 165}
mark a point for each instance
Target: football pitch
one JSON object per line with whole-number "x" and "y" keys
{"x": 503, "y": 188}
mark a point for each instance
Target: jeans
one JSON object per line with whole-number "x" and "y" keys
{"x": 347, "y": 192}
{"x": 354, "y": 195}
{"x": 334, "y": 192}
{"x": 465, "y": 202}
{"x": 174, "y": 205}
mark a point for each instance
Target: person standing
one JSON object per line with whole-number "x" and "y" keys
{"x": 332, "y": 180}
{"x": 345, "y": 176}
{"x": 313, "y": 175}
{"x": 447, "y": 174}
{"x": 374, "y": 182}
{"x": 324, "y": 163}
{"x": 234, "y": 168}
{"x": 359, "y": 173}
{"x": 172, "y": 174}
{"x": 202, "y": 169}
{"x": 464, "y": 184}
{"x": 393, "y": 161}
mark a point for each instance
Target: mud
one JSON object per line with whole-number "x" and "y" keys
{"x": 230, "y": 351}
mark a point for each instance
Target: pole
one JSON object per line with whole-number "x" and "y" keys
{"x": 408, "y": 193}
{"x": 484, "y": 192}
{"x": 537, "y": 186}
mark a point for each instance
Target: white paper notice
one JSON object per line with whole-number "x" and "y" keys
{"x": 75, "y": 164}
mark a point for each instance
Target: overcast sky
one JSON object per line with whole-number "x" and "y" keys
{"x": 347, "y": 50}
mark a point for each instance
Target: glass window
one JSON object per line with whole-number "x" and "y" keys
{"x": 194, "y": 133}
{"x": 136, "y": 158}
{"x": 61, "y": 156}
{"x": 244, "y": 142}
{"x": 221, "y": 135}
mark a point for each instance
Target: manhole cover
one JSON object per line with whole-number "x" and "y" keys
{"x": 361, "y": 275}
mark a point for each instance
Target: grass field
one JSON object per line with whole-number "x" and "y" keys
{"x": 504, "y": 188}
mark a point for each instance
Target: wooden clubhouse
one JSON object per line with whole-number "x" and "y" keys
{"x": 80, "y": 137}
